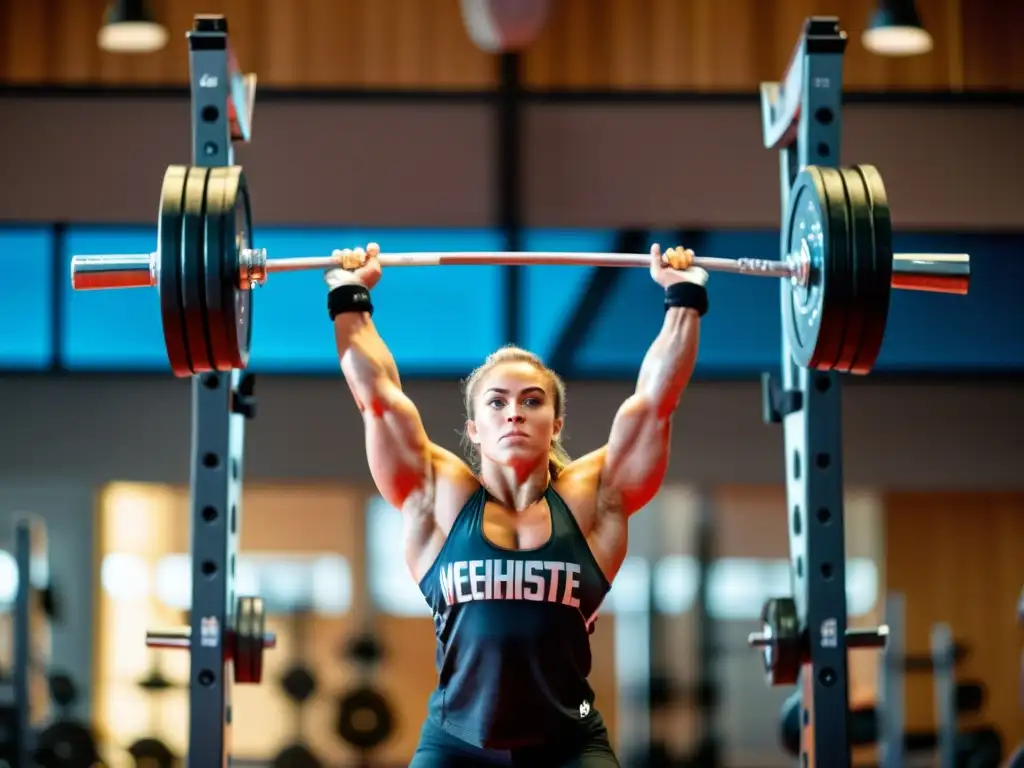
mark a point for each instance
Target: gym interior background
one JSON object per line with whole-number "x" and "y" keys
{"x": 382, "y": 120}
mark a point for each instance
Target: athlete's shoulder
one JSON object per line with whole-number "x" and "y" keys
{"x": 454, "y": 487}
{"x": 586, "y": 469}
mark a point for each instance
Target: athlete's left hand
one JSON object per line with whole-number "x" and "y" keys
{"x": 665, "y": 276}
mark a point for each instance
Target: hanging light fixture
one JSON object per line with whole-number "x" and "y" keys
{"x": 895, "y": 29}
{"x": 129, "y": 27}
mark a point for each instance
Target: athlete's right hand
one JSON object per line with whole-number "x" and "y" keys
{"x": 367, "y": 273}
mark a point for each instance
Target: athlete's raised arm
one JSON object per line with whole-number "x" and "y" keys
{"x": 401, "y": 457}
{"x": 636, "y": 456}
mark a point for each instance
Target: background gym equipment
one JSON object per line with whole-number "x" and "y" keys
{"x": 28, "y": 734}
{"x": 243, "y": 642}
{"x": 785, "y": 646}
{"x": 837, "y": 264}
{"x": 883, "y": 723}
{"x": 19, "y": 737}
{"x": 65, "y": 742}
{"x": 702, "y": 695}
{"x": 1017, "y": 758}
{"x": 151, "y": 750}
{"x": 299, "y": 684}
{"x": 364, "y": 716}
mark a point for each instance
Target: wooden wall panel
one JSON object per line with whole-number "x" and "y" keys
{"x": 959, "y": 559}
{"x": 417, "y": 44}
{"x": 733, "y": 45}
{"x": 992, "y": 60}
{"x": 696, "y": 45}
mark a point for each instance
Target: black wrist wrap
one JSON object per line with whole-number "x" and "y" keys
{"x": 348, "y": 298}
{"x": 688, "y": 296}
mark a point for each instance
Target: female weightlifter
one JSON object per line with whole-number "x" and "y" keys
{"x": 515, "y": 554}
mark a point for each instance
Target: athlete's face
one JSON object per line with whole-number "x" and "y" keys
{"x": 514, "y": 419}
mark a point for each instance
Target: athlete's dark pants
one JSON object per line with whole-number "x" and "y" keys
{"x": 589, "y": 748}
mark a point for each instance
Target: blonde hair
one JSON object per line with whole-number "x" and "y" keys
{"x": 558, "y": 458}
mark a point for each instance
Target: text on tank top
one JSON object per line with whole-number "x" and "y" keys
{"x": 512, "y": 627}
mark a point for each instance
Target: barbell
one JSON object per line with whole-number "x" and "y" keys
{"x": 243, "y": 644}
{"x": 838, "y": 273}
{"x": 784, "y": 647}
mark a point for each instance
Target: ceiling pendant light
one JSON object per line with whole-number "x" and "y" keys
{"x": 129, "y": 27}
{"x": 895, "y": 29}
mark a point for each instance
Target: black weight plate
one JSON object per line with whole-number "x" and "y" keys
{"x": 298, "y": 683}
{"x": 296, "y": 756}
{"x": 812, "y": 315}
{"x": 250, "y": 626}
{"x": 862, "y": 239}
{"x": 243, "y": 639}
{"x": 783, "y": 654}
{"x": 790, "y": 725}
{"x": 234, "y": 220}
{"x": 193, "y": 269}
{"x": 841, "y": 301}
{"x": 62, "y": 687}
{"x": 172, "y": 201}
{"x": 10, "y": 736}
{"x": 865, "y": 260}
{"x": 877, "y": 315}
{"x": 364, "y": 718}
{"x": 860, "y": 247}
{"x": 66, "y": 744}
{"x": 258, "y": 622}
{"x": 221, "y": 355}
{"x": 227, "y": 219}
{"x": 152, "y": 753}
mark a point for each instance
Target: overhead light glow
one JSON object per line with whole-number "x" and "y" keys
{"x": 895, "y": 29}
{"x": 128, "y": 27}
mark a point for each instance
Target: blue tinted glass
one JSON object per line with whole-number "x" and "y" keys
{"x": 111, "y": 330}
{"x": 434, "y": 319}
{"x": 26, "y": 298}
{"x": 551, "y": 294}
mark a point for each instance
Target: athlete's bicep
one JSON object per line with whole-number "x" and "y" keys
{"x": 636, "y": 457}
{"x": 397, "y": 447}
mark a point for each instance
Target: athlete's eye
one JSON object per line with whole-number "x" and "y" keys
{"x": 496, "y": 403}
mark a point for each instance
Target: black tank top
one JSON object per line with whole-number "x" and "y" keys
{"x": 513, "y": 645}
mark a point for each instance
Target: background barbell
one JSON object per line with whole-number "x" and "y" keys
{"x": 839, "y": 267}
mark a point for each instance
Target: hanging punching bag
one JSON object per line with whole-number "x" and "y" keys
{"x": 504, "y": 26}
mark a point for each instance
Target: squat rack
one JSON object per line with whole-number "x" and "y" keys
{"x": 225, "y": 632}
{"x": 221, "y": 402}
{"x": 801, "y": 118}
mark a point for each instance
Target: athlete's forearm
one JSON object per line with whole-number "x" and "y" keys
{"x": 366, "y": 361}
{"x": 669, "y": 362}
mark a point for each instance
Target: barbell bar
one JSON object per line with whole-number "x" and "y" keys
{"x": 935, "y": 272}
{"x": 838, "y": 273}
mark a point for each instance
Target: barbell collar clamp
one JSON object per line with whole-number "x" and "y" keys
{"x": 181, "y": 637}
{"x": 931, "y": 272}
